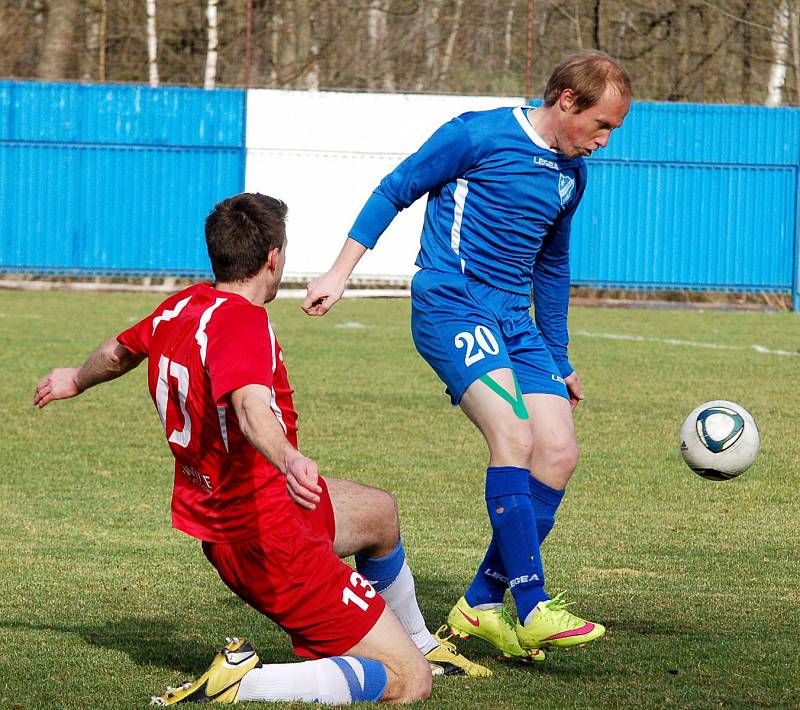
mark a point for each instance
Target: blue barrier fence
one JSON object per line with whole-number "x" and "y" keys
{"x": 694, "y": 197}
{"x": 117, "y": 179}
{"x": 114, "y": 179}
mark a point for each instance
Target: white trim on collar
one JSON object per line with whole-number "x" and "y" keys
{"x": 526, "y": 126}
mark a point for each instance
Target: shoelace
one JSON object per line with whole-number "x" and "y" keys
{"x": 558, "y": 603}
{"x": 444, "y": 641}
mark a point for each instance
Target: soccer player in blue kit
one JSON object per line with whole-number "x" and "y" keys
{"x": 503, "y": 186}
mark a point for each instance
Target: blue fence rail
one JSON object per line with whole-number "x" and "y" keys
{"x": 114, "y": 179}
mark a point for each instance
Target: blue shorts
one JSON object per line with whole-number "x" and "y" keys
{"x": 465, "y": 328}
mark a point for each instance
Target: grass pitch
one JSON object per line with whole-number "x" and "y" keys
{"x": 103, "y": 604}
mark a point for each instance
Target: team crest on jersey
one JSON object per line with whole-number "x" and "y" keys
{"x": 565, "y": 187}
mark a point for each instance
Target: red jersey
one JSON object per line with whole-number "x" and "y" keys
{"x": 201, "y": 345}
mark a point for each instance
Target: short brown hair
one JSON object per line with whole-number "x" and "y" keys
{"x": 241, "y": 232}
{"x": 587, "y": 73}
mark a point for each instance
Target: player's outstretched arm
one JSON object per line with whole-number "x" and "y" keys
{"x": 258, "y": 423}
{"x": 324, "y": 291}
{"x": 109, "y": 361}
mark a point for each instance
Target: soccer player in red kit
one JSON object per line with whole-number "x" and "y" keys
{"x": 269, "y": 523}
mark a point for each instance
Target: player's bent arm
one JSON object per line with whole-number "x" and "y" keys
{"x": 446, "y": 155}
{"x": 109, "y": 361}
{"x": 259, "y": 425}
{"x": 324, "y": 291}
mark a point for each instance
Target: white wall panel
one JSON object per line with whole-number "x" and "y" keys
{"x": 324, "y": 152}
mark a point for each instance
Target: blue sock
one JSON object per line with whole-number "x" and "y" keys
{"x": 511, "y": 513}
{"x": 374, "y": 679}
{"x": 545, "y": 502}
{"x": 490, "y": 582}
{"x": 382, "y": 571}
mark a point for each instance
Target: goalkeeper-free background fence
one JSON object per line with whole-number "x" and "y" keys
{"x": 101, "y": 179}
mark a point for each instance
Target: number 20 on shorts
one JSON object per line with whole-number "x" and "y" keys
{"x": 476, "y": 345}
{"x": 358, "y": 583}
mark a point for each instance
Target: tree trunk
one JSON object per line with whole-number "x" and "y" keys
{"x": 152, "y": 44}
{"x": 379, "y": 72}
{"x": 451, "y": 41}
{"x": 508, "y": 43}
{"x": 58, "y": 40}
{"x": 778, "y": 37}
{"x": 210, "y": 81}
{"x": 430, "y": 12}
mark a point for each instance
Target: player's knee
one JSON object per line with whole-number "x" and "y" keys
{"x": 384, "y": 523}
{"x": 409, "y": 682}
{"x": 386, "y": 505}
{"x": 559, "y": 456}
{"x": 516, "y": 446}
{"x": 419, "y": 682}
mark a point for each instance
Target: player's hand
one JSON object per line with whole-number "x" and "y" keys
{"x": 322, "y": 293}
{"x": 61, "y": 383}
{"x": 575, "y": 389}
{"x": 302, "y": 482}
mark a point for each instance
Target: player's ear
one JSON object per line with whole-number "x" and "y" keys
{"x": 566, "y": 100}
{"x": 272, "y": 258}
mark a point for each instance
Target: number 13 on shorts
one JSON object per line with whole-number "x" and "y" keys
{"x": 362, "y": 587}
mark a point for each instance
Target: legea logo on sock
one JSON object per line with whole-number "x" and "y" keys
{"x": 522, "y": 579}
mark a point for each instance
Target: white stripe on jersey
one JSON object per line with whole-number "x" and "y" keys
{"x": 223, "y": 426}
{"x": 460, "y": 197}
{"x": 273, "y": 402}
{"x": 200, "y": 336}
{"x": 170, "y": 314}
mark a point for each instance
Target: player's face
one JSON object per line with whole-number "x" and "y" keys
{"x": 584, "y": 132}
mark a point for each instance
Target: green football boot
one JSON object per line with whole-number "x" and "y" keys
{"x": 552, "y": 625}
{"x": 494, "y": 626}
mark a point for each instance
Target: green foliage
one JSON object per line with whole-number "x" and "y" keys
{"x": 698, "y": 582}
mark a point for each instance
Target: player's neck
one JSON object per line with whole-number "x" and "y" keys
{"x": 254, "y": 290}
{"x": 544, "y": 122}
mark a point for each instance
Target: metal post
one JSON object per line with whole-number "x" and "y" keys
{"x": 796, "y": 249}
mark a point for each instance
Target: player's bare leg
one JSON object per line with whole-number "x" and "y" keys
{"x": 367, "y": 526}
{"x": 408, "y": 674}
{"x": 366, "y": 519}
{"x": 554, "y": 458}
{"x": 496, "y": 406}
{"x": 555, "y": 452}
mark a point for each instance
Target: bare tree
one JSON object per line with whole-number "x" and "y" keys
{"x": 780, "y": 45}
{"x": 152, "y": 44}
{"x": 379, "y": 71}
{"x": 447, "y": 57}
{"x": 58, "y": 40}
{"x": 794, "y": 26}
{"x": 211, "y": 55}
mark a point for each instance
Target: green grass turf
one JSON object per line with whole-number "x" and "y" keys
{"x": 103, "y": 604}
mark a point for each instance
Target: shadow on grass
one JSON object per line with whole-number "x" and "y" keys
{"x": 156, "y": 642}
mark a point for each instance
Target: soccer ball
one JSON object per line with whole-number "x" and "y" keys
{"x": 719, "y": 440}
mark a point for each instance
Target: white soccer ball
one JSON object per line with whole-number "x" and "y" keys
{"x": 719, "y": 440}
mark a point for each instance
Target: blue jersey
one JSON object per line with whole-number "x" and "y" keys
{"x": 499, "y": 210}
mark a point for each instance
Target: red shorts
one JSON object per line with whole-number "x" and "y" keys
{"x": 291, "y": 574}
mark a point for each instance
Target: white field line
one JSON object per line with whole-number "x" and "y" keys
{"x": 685, "y": 343}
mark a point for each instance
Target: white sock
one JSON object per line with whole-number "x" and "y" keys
{"x": 401, "y": 598}
{"x": 491, "y": 606}
{"x": 320, "y": 681}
